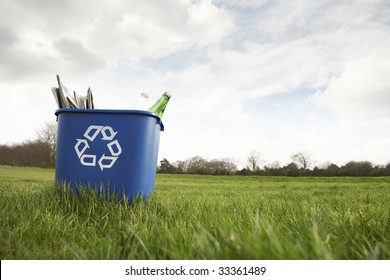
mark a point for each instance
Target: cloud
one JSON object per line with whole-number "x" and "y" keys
{"x": 64, "y": 55}
{"x": 7, "y": 37}
{"x": 209, "y": 23}
{"x": 286, "y": 48}
{"x": 44, "y": 36}
{"x": 74, "y": 55}
{"x": 159, "y": 28}
{"x": 31, "y": 47}
{"x": 361, "y": 92}
{"x": 16, "y": 61}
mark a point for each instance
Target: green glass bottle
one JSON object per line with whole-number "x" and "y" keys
{"x": 159, "y": 107}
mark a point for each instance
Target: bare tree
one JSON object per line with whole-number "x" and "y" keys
{"x": 48, "y": 136}
{"x": 274, "y": 165}
{"x": 197, "y": 165}
{"x": 254, "y": 161}
{"x": 221, "y": 167}
{"x": 302, "y": 160}
{"x": 181, "y": 166}
{"x": 230, "y": 165}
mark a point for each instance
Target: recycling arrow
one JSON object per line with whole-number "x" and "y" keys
{"x": 88, "y": 160}
{"x": 118, "y": 148}
{"x": 91, "y": 128}
{"x": 77, "y": 146}
{"x": 110, "y": 159}
{"x": 111, "y": 134}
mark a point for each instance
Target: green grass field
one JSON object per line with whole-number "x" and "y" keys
{"x": 197, "y": 217}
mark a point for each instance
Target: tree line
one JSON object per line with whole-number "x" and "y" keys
{"x": 300, "y": 166}
{"x": 41, "y": 153}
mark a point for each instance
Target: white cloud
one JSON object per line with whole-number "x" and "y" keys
{"x": 208, "y": 24}
{"x": 73, "y": 55}
{"x": 77, "y": 34}
{"x": 156, "y": 29}
{"x": 362, "y": 92}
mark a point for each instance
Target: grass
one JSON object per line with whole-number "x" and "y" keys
{"x": 197, "y": 217}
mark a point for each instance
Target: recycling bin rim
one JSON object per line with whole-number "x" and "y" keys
{"x": 111, "y": 111}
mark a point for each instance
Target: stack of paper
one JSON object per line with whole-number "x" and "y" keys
{"x": 65, "y": 100}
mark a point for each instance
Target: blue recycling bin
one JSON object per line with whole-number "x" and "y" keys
{"x": 110, "y": 151}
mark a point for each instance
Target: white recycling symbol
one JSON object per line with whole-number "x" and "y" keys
{"x": 108, "y": 134}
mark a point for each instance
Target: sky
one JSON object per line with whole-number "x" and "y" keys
{"x": 272, "y": 77}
